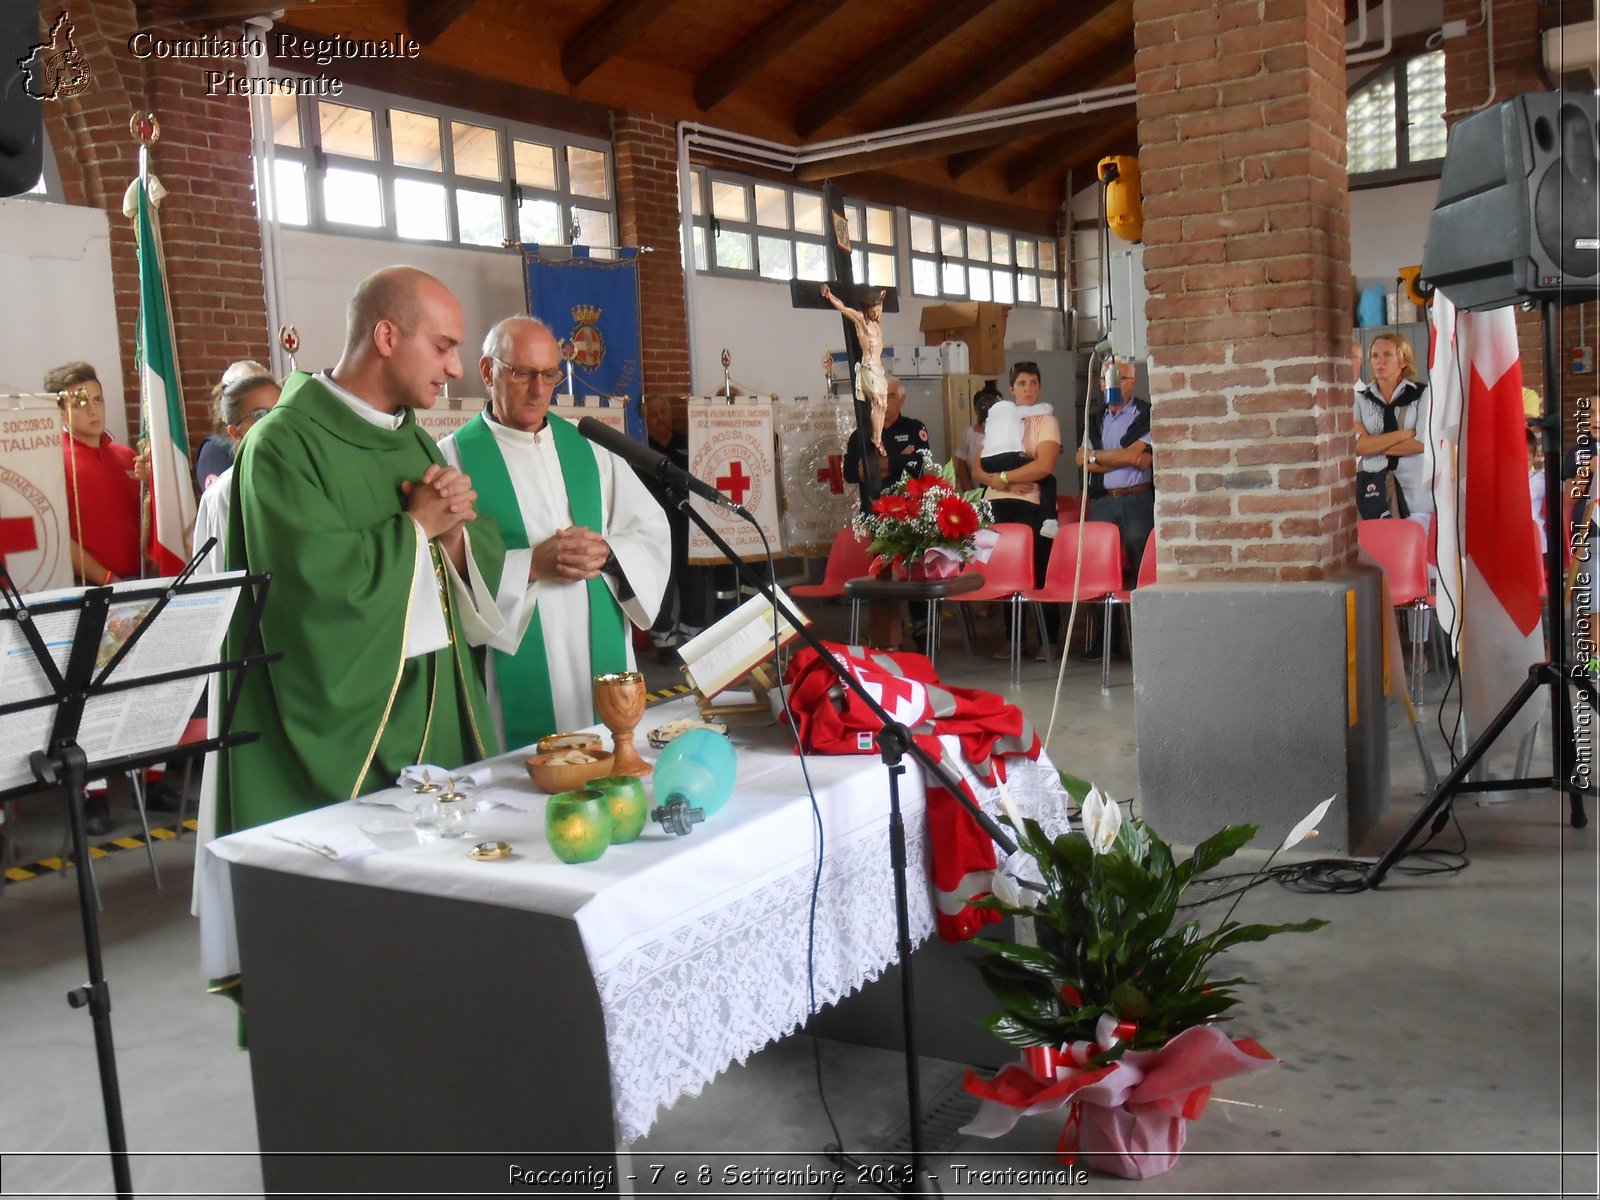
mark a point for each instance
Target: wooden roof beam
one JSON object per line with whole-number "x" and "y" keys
{"x": 1025, "y": 48}
{"x": 730, "y": 72}
{"x": 882, "y": 63}
{"x": 1063, "y": 154}
{"x": 586, "y": 51}
{"x": 427, "y": 19}
{"x": 855, "y": 162}
{"x": 1117, "y": 68}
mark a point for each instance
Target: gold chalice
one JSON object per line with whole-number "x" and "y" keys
{"x": 619, "y": 702}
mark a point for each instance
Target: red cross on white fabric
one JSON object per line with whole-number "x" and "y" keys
{"x": 16, "y": 535}
{"x": 903, "y": 699}
{"x": 735, "y": 483}
{"x": 833, "y": 474}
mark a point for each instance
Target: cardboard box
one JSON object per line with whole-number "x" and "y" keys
{"x": 980, "y": 324}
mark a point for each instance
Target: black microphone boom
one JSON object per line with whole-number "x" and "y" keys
{"x": 652, "y": 464}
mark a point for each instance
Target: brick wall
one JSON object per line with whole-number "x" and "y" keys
{"x": 646, "y": 151}
{"x": 1246, "y": 229}
{"x": 208, "y": 221}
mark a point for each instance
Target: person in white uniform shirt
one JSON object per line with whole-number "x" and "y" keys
{"x": 588, "y": 549}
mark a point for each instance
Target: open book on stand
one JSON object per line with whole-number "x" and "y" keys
{"x": 730, "y": 654}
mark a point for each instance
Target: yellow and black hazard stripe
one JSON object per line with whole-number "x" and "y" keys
{"x": 111, "y": 846}
{"x": 669, "y": 693}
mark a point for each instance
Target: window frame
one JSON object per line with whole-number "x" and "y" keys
{"x": 959, "y": 232}
{"x": 1405, "y": 169}
{"x": 705, "y": 226}
{"x": 317, "y": 161}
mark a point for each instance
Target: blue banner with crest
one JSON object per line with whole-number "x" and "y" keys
{"x": 592, "y": 306}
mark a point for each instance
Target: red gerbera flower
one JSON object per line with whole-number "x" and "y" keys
{"x": 919, "y": 487}
{"x": 896, "y": 508}
{"x": 956, "y": 518}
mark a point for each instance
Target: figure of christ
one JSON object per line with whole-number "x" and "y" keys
{"x": 871, "y": 385}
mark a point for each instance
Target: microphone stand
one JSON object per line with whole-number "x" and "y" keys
{"x": 894, "y": 743}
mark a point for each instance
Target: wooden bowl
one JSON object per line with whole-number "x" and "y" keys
{"x": 551, "y": 776}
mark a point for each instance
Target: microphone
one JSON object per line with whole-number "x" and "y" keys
{"x": 652, "y": 464}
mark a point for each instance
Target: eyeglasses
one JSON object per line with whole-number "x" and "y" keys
{"x": 255, "y": 414}
{"x": 521, "y": 375}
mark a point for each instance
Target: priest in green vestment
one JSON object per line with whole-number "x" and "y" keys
{"x": 588, "y": 548}
{"x": 379, "y": 589}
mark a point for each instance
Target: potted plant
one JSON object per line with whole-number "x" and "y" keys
{"x": 1115, "y": 1006}
{"x": 922, "y": 528}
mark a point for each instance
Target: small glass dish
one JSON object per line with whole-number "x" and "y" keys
{"x": 396, "y": 833}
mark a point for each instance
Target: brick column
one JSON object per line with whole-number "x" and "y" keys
{"x": 1247, "y": 260}
{"x": 646, "y": 150}
{"x": 211, "y": 239}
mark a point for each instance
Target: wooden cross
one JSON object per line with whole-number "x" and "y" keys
{"x": 841, "y": 281}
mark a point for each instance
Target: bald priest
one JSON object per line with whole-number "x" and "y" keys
{"x": 588, "y": 548}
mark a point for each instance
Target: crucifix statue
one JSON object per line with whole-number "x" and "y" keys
{"x": 860, "y": 308}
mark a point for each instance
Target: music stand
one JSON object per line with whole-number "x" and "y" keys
{"x": 94, "y": 640}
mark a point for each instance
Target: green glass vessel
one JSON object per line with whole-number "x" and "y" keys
{"x": 578, "y": 825}
{"x": 629, "y": 809}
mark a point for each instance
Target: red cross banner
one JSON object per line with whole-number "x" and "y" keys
{"x": 33, "y": 496}
{"x": 817, "y": 499}
{"x": 730, "y": 447}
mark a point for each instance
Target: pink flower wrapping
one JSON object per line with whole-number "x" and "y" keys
{"x": 1129, "y": 1118}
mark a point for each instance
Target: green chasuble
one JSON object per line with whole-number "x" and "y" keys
{"x": 317, "y": 503}
{"x": 523, "y": 681}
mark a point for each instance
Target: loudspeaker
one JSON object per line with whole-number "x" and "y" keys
{"x": 1516, "y": 217}
{"x": 21, "y": 119}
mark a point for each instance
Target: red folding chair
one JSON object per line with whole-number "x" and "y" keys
{"x": 1006, "y": 576}
{"x": 1400, "y": 547}
{"x": 1102, "y": 577}
{"x": 847, "y": 559}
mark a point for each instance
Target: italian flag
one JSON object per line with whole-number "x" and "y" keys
{"x": 171, "y": 486}
{"x": 1489, "y": 564}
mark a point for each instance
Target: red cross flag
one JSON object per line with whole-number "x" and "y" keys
{"x": 1488, "y": 585}
{"x": 730, "y": 446}
{"x": 33, "y": 497}
{"x": 817, "y": 500}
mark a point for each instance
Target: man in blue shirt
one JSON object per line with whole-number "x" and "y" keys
{"x": 1121, "y": 487}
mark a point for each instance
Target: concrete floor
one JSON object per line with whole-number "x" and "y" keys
{"x": 1437, "y": 1038}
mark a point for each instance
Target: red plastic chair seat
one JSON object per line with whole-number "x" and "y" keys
{"x": 1102, "y": 565}
{"x": 1009, "y": 570}
{"x": 1400, "y": 547}
{"x": 847, "y": 559}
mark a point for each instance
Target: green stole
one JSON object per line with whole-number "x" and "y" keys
{"x": 523, "y": 678}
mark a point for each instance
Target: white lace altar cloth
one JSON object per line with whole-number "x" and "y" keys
{"x": 697, "y": 944}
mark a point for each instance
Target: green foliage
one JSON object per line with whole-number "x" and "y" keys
{"x": 1110, "y": 940}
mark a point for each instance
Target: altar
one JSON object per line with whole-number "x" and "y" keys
{"x": 422, "y": 1001}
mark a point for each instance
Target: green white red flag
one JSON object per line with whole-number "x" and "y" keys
{"x": 171, "y": 482}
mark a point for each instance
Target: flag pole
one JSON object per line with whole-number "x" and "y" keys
{"x": 145, "y": 130}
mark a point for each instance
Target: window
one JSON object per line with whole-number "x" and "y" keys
{"x": 421, "y": 172}
{"x": 956, "y": 259}
{"x": 1396, "y": 121}
{"x": 770, "y": 231}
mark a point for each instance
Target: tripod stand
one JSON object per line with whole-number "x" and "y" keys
{"x": 1566, "y": 773}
